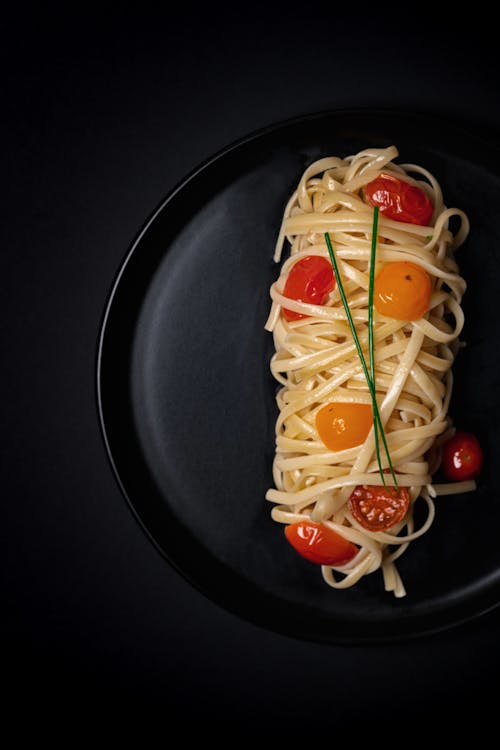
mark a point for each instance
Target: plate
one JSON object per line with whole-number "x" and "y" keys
{"x": 187, "y": 403}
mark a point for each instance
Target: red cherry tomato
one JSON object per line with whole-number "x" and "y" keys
{"x": 462, "y": 457}
{"x": 320, "y": 544}
{"x": 311, "y": 279}
{"x": 399, "y": 200}
{"x": 378, "y": 508}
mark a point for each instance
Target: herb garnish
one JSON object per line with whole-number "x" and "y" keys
{"x": 370, "y": 376}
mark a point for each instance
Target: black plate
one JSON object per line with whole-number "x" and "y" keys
{"x": 187, "y": 402}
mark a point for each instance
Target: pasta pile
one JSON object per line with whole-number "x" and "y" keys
{"x": 316, "y": 361}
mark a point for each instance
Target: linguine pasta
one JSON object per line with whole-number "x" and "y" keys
{"x": 316, "y": 361}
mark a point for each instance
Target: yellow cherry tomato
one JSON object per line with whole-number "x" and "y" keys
{"x": 402, "y": 291}
{"x": 344, "y": 425}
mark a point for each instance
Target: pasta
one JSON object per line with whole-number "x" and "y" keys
{"x": 316, "y": 362}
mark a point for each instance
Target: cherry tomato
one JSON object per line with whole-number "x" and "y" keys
{"x": 399, "y": 200}
{"x": 341, "y": 426}
{"x": 402, "y": 291}
{"x": 311, "y": 280}
{"x": 320, "y": 544}
{"x": 378, "y": 508}
{"x": 462, "y": 457}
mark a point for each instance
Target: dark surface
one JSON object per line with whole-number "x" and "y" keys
{"x": 103, "y": 118}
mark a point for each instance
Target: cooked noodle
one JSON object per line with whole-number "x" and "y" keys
{"x": 316, "y": 360}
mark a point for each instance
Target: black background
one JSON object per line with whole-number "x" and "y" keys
{"x": 102, "y": 117}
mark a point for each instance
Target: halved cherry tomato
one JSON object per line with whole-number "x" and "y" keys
{"x": 378, "y": 508}
{"x": 402, "y": 291}
{"x": 311, "y": 279}
{"x": 320, "y": 544}
{"x": 344, "y": 425}
{"x": 399, "y": 200}
{"x": 462, "y": 457}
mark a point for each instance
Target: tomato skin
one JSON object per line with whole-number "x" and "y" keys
{"x": 399, "y": 200}
{"x": 311, "y": 280}
{"x": 319, "y": 544}
{"x": 462, "y": 457}
{"x": 378, "y": 508}
{"x": 402, "y": 291}
{"x": 344, "y": 425}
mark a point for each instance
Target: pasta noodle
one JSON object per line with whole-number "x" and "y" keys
{"x": 316, "y": 361}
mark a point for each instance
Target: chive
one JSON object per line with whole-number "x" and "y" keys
{"x": 370, "y": 293}
{"x": 371, "y": 347}
{"x": 377, "y": 422}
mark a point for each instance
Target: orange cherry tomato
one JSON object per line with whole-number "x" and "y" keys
{"x": 311, "y": 280}
{"x": 378, "y": 508}
{"x": 402, "y": 291}
{"x": 341, "y": 426}
{"x": 399, "y": 200}
{"x": 320, "y": 544}
{"x": 462, "y": 457}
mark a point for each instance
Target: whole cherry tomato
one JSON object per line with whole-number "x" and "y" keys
{"x": 402, "y": 291}
{"x": 311, "y": 280}
{"x": 344, "y": 425}
{"x": 399, "y": 200}
{"x": 378, "y": 508}
{"x": 462, "y": 457}
{"x": 320, "y": 544}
